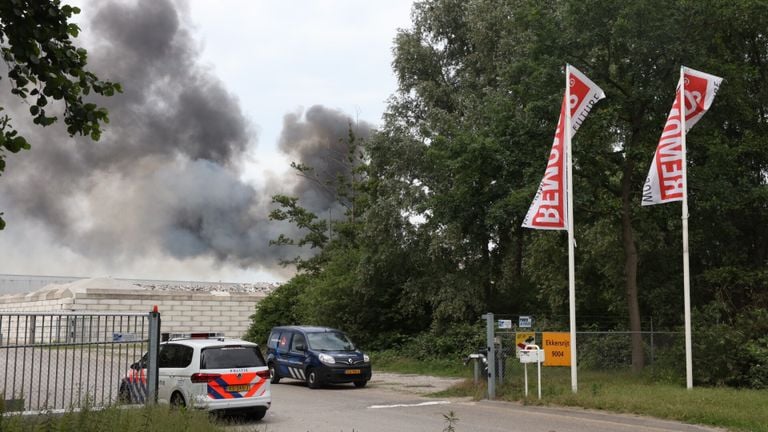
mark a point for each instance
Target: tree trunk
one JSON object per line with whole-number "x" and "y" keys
{"x": 630, "y": 269}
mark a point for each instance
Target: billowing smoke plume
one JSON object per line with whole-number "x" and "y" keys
{"x": 322, "y": 142}
{"x": 165, "y": 179}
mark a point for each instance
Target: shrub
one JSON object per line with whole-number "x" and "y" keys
{"x": 445, "y": 342}
{"x": 731, "y": 351}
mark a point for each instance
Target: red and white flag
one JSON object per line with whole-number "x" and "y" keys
{"x": 666, "y": 181}
{"x": 549, "y": 209}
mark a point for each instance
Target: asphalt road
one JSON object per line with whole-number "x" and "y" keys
{"x": 380, "y": 408}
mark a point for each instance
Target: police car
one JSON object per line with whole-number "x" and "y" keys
{"x": 204, "y": 371}
{"x": 316, "y": 355}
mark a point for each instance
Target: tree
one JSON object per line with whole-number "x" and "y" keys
{"x": 452, "y": 172}
{"x": 480, "y": 83}
{"x": 43, "y": 65}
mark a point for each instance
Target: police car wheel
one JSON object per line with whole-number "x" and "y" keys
{"x": 360, "y": 384}
{"x": 177, "y": 400}
{"x": 257, "y": 413}
{"x": 313, "y": 381}
{"x": 274, "y": 378}
{"x": 124, "y": 395}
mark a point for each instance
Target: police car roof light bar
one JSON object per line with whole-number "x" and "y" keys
{"x": 198, "y": 335}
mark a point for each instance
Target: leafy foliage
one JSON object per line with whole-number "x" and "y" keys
{"x": 734, "y": 350}
{"x": 279, "y": 308}
{"x": 435, "y": 239}
{"x": 44, "y": 66}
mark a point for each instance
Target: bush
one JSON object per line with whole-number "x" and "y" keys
{"x": 280, "y": 307}
{"x": 445, "y": 342}
{"x": 605, "y": 351}
{"x": 731, "y": 351}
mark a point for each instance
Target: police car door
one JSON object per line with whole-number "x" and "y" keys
{"x": 173, "y": 362}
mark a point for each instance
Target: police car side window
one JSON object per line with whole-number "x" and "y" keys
{"x": 174, "y": 356}
{"x": 283, "y": 343}
{"x": 164, "y": 356}
{"x": 183, "y": 356}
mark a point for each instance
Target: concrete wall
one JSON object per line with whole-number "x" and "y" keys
{"x": 181, "y": 312}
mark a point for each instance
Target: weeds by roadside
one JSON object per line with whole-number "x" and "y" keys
{"x": 450, "y": 422}
{"x": 393, "y": 361}
{"x": 117, "y": 419}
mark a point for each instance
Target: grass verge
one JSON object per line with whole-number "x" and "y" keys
{"x": 148, "y": 419}
{"x": 616, "y": 391}
{"x": 390, "y": 361}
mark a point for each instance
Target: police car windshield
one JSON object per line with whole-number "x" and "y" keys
{"x": 330, "y": 341}
{"x": 235, "y": 356}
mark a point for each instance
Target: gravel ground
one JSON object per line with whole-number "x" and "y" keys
{"x": 411, "y": 383}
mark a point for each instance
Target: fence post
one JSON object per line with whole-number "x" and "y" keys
{"x": 652, "y": 340}
{"x": 154, "y": 348}
{"x": 31, "y": 325}
{"x": 491, "y": 355}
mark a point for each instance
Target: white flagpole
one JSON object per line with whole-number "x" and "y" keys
{"x": 569, "y": 203}
{"x": 686, "y": 266}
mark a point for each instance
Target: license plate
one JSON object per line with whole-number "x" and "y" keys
{"x": 238, "y": 388}
{"x": 352, "y": 371}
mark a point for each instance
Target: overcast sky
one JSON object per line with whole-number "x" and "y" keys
{"x": 281, "y": 56}
{"x": 127, "y": 208}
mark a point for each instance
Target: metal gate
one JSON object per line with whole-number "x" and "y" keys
{"x": 67, "y": 361}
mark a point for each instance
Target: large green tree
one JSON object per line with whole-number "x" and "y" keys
{"x": 480, "y": 83}
{"x": 453, "y": 170}
{"x": 44, "y": 65}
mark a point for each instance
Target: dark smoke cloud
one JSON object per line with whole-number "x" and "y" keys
{"x": 320, "y": 140}
{"x": 166, "y": 176}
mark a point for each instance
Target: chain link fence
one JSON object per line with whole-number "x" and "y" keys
{"x": 596, "y": 350}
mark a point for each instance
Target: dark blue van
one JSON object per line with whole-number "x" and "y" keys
{"x": 317, "y": 355}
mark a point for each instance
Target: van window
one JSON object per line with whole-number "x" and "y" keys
{"x": 273, "y": 338}
{"x": 330, "y": 341}
{"x": 284, "y": 343}
{"x": 299, "y": 344}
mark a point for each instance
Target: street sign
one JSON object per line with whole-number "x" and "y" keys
{"x": 522, "y": 339}
{"x": 505, "y": 324}
{"x": 525, "y": 321}
{"x": 557, "y": 347}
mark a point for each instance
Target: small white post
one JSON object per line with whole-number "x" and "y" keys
{"x": 525, "y": 368}
{"x": 538, "y": 365}
{"x": 526, "y": 357}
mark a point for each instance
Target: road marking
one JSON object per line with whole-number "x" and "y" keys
{"x": 409, "y": 405}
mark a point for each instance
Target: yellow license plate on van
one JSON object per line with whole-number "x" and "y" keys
{"x": 352, "y": 371}
{"x": 238, "y": 388}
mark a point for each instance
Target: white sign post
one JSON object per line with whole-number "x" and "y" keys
{"x": 532, "y": 354}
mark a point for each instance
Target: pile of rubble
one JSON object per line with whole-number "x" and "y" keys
{"x": 211, "y": 287}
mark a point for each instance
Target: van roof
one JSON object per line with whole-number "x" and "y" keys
{"x": 307, "y": 329}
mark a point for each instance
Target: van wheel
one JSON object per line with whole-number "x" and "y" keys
{"x": 274, "y": 378}
{"x": 177, "y": 401}
{"x": 360, "y": 384}
{"x": 313, "y": 381}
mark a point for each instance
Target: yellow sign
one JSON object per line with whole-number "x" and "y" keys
{"x": 557, "y": 349}
{"x": 522, "y": 339}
